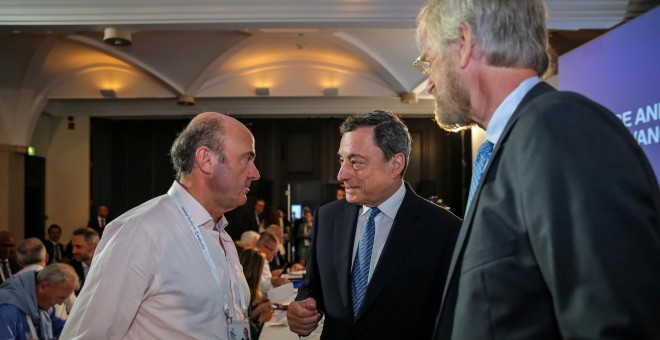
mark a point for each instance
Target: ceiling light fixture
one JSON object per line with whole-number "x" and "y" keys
{"x": 117, "y": 37}
{"x": 185, "y": 100}
{"x": 110, "y": 94}
{"x": 262, "y": 91}
{"x": 331, "y": 91}
{"x": 408, "y": 98}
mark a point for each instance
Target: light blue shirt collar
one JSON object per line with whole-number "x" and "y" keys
{"x": 391, "y": 205}
{"x": 504, "y": 112}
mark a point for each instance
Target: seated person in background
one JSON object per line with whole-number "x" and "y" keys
{"x": 250, "y": 238}
{"x": 279, "y": 260}
{"x": 8, "y": 264}
{"x": 84, "y": 243}
{"x": 31, "y": 254}
{"x": 25, "y": 301}
{"x": 267, "y": 246}
{"x": 54, "y": 248}
{"x": 260, "y": 309}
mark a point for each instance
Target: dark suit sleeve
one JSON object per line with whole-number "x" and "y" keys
{"x": 591, "y": 204}
{"x": 311, "y": 286}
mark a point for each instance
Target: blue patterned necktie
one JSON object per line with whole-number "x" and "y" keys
{"x": 362, "y": 261}
{"x": 479, "y": 164}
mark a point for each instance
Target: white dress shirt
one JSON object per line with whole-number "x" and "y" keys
{"x": 149, "y": 278}
{"x": 383, "y": 220}
{"x": 265, "y": 283}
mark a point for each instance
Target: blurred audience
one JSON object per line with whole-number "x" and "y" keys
{"x": 26, "y": 302}
{"x": 279, "y": 260}
{"x": 249, "y": 239}
{"x": 304, "y": 236}
{"x": 8, "y": 264}
{"x": 99, "y": 222}
{"x": 54, "y": 248}
{"x": 260, "y": 309}
{"x": 31, "y": 254}
{"x": 83, "y": 243}
{"x": 267, "y": 246}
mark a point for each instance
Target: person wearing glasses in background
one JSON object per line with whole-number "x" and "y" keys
{"x": 561, "y": 237}
{"x": 268, "y": 247}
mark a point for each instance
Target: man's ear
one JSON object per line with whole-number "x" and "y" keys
{"x": 398, "y": 162}
{"x": 42, "y": 286}
{"x": 466, "y": 44}
{"x": 203, "y": 158}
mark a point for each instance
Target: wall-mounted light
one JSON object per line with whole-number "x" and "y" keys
{"x": 117, "y": 37}
{"x": 408, "y": 97}
{"x": 262, "y": 91}
{"x": 185, "y": 100}
{"x": 330, "y": 91}
{"x": 108, "y": 93}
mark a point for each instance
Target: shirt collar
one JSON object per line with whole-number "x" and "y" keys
{"x": 199, "y": 215}
{"x": 504, "y": 112}
{"x": 391, "y": 205}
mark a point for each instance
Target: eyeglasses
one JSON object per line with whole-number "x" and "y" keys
{"x": 421, "y": 64}
{"x": 272, "y": 250}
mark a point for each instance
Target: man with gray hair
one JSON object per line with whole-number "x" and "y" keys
{"x": 167, "y": 269}
{"x": 378, "y": 258}
{"x": 31, "y": 254}
{"x": 561, "y": 237}
{"x": 26, "y": 302}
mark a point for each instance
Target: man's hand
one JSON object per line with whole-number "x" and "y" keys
{"x": 296, "y": 267}
{"x": 303, "y": 317}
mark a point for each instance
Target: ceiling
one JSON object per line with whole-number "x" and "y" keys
{"x": 218, "y": 52}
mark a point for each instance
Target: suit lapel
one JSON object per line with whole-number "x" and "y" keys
{"x": 399, "y": 241}
{"x": 344, "y": 230}
{"x": 536, "y": 91}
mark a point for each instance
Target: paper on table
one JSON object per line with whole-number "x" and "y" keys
{"x": 283, "y": 294}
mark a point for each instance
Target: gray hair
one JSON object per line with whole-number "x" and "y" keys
{"x": 30, "y": 251}
{"x": 265, "y": 237}
{"x": 390, "y": 133}
{"x": 91, "y": 236}
{"x": 207, "y": 132}
{"x": 57, "y": 273}
{"x": 249, "y": 236}
{"x": 510, "y": 33}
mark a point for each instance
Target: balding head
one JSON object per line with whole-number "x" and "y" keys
{"x": 205, "y": 129}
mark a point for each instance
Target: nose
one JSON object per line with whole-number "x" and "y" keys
{"x": 254, "y": 174}
{"x": 344, "y": 172}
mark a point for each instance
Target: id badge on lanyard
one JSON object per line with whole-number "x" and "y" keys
{"x": 232, "y": 327}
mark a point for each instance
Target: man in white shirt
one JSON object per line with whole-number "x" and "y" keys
{"x": 167, "y": 269}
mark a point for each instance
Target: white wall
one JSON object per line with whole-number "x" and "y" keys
{"x": 67, "y": 177}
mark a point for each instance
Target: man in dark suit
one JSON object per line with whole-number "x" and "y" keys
{"x": 83, "y": 245}
{"x": 54, "y": 248}
{"x": 8, "y": 264}
{"x": 99, "y": 222}
{"x": 378, "y": 258}
{"x": 561, "y": 237}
